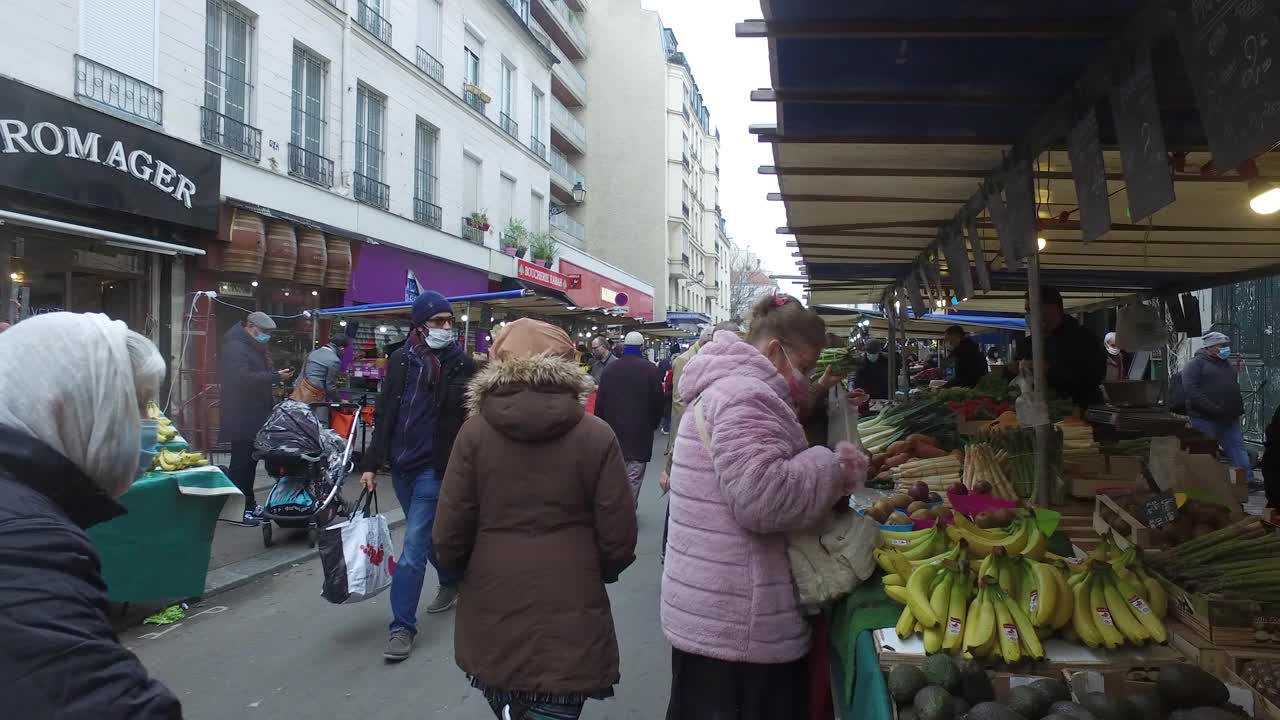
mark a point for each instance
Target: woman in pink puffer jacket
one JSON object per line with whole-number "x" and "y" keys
{"x": 742, "y": 477}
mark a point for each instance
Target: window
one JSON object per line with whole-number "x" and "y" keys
{"x": 471, "y": 197}
{"x": 507, "y": 198}
{"x": 228, "y": 81}
{"x": 429, "y": 26}
{"x": 506, "y": 117}
{"x": 121, "y": 35}
{"x": 684, "y": 199}
{"x": 372, "y": 16}
{"x": 425, "y": 208}
{"x": 306, "y": 136}
{"x": 371, "y": 110}
{"x": 472, "y": 60}
{"x": 537, "y": 212}
{"x": 539, "y": 110}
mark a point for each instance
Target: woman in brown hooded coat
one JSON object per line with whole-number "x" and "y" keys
{"x": 536, "y": 516}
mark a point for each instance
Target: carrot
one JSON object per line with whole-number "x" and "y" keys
{"x": 879, "y": 458}
{"x": 918, "y": 438}
{"x": 898, "y": 448}
{"x": 923, "y": 449}
{"x": 897, "y": 460}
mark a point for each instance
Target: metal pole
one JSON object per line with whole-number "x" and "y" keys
{"x": 466, "y": 328}
{"x": 892, "y": 350}
{"x": 1038, "y": 394}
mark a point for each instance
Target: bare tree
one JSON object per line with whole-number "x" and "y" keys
{"x": 747, "y": 282}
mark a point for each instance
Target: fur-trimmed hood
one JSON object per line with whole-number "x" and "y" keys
{"x": 530, "y": 398}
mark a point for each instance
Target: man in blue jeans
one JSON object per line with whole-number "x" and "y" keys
{"x": 420, "y": 410}
{"x": 1214, "y": 403}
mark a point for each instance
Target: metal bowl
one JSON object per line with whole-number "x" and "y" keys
{"x": 1141, "y": 393}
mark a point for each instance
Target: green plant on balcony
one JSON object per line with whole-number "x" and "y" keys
{"x": 479, "y": 219}
{"x": 515, "y": 239}
{"x": 542, "y": 246}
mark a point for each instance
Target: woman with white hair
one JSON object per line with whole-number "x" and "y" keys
{"x": 73, "y": 437}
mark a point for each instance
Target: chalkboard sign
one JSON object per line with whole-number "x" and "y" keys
{"x": 933, "y": 273}
{"x": 1090, "y": 176}
{"x": 913, "y": 292}
{"x": 958, "y": 273}
{"x": 1020, "y": 198}
{"x": 1148, "y": 183}
{"x": 1229, "y": 47}
{"x": 979, "y": 254}
{"x": 1160, "y": 510}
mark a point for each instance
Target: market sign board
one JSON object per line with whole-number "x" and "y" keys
{"x": 1229, "y": 47}
{"x": 539, "y": 275}
{"x": 1148, "y": 182}
{"x": 56, "y": 147}
{"x": 1089, "y": 174}
{"x": 979, "y": 253}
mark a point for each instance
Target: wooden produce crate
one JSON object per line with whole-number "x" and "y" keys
{"x": 1242, "y": 624}
{"x": 1262, "y": 705}
{"x": 1082, "y": 682}
{"x": 1087, "y": 486}
{"x": 1196, "y": 648}
{"x": 1139, "y": 534}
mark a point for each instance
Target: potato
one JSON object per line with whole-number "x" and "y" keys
{"x": 922, "y": 514}
{"x": 941, "y": 514}
{"x": 1003, "y": 517}
{"x": 985, "y": 520}
{"x": 900, "y": 501}
{"x": 878, "y": 513}
{"x": 917, "y": 505}
{"x": 884, "y": 508}
{"x": 898, "y": 518}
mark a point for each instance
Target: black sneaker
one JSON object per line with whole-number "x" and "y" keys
{"x": 251, "y": 519}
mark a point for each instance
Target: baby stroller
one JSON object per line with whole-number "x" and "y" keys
{"x": 309, "y": 462}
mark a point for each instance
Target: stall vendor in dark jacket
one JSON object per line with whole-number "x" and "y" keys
{"x": 967, "y": 363}
{"x": 873, "y": 377}
{"x": 1075, "y": 359}
{"x": 630, "y": 399}
{"x": 244, "y": 370}
{"x": 419, "y": 413}
{"x": 72, "y": 440}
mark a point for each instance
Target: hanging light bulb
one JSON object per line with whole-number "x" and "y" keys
{"x": 315, "y": 293}
{"x": 383, "y": 329}
{"x": 254, "y": 283}
{"x": 1041, "y": 243}
{"x": 1265, "y": 198}
{"x": 342, "y": 323}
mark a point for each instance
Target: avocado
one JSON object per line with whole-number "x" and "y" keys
{"x": 904, "y": 682}
{"x": 934, "y": 703}
{"x": 1071, "y": 710}
{"x": 1203, "y": 713}
{"x": 992, "y": 711}
{"x": 1056, "y": 716}
{"x": 941, "y": 670}
{"x": 1187, "y": 686}
{"x": 975, "y": 684}
{"x": 1147, "y": 705}
{"x": 1055, "y": 690}
{"x": 1105, "y": 707}
{"x": 1027, "y": 701}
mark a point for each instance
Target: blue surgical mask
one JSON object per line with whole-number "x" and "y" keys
{"x": 147, "y": 450}
{"x": 263, "y": 338}
{"x": 439, "y": 338}
{"x": 1225, "y": 352}
{"x": 873, "y": 356}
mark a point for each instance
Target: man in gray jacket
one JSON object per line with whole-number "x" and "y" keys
{"x": 319, "y": 382}
{"x": 1213, "y": 397}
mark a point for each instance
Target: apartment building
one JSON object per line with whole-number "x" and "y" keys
{"x": 655, "y": 201}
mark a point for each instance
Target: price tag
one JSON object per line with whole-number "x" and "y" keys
{"x": 1034, "y": 603}
{"x": 1105, "y": 615}
{"x": 1160, "y": 510}
{"x": 953, "y": 626}
{"x": 1140, "y": 605}
{"x": 899, "y": 541}
{"x": 1011, "y": 633}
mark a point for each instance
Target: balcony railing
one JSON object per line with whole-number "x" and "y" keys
{"x": 521, "y": 7}
{"x": 371, "y": 192}
{"x": 565, "y": 170}
{"x": 230, "y": 134}
{"x": 114, "y": 90}
{"x": 568, "y": 74}
{"x": 430, "y": 65}
{"x": 310, "y": 166}
{"x": 569, "y": 21}
{"x": 473, "y": 98}
{"x": 569, "y": 125}
{"x": 540, "y": 34}
{"x": 538, "y": 147}
{"x": 370, "y": 20}
{"x": 511, "y": 126}
{"x": 569, "y": 226}
{"x": 426, "y": 213}
{"x": 471, "y": 233}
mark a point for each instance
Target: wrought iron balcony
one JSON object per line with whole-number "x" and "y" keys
{"x": 538, "y": 147}
{"x": 426, "y": 213}
{"x": 370, "y": 20}
{"x": 111, "y": 89}
{"x": 430, "y": 65}
{"x": 511, "y": 126}
{"x": 230, "y": 134}
{"x": 310, "y": 166}
{"x": 471, "y": 233}
{"x": 474, "y": 99}
{"x": 371, "y": 192}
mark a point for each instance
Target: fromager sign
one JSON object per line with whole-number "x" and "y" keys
{"x": 56, "y": 147}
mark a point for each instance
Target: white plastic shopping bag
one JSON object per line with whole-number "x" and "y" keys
{"x": 357, "y": 555}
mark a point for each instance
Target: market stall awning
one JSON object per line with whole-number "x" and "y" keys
{"x": 664, "y": 330}
{"x": 929, "y": 327}
{"x": 506, "y": 304}
{"x": 880, "y": 152}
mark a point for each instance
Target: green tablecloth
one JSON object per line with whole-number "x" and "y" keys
{"x": 862, "y": 693}
{"x": 160, "y": 549}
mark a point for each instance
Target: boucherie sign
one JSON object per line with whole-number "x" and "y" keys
{"x": 542, "y": 276}
{"x": 56, "y": 147}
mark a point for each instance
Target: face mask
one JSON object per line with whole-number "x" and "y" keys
{"x": 263, "y": 338}
{"x": 147, "y": 450}
{"x": 438, "y": 339}
{"x": 797, "y": 382}
{"x": 1225, "y": 352}
{"x": 872, "y": 357}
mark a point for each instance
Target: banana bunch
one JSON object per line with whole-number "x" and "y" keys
{"x": 919, "y": 544}
{"x": 936, "y": 599}
{"x": 1116, "y": 601}
{"x": 169, "y": 461}
{"x": 1022, "y": 536}
{"x": 1040, "y": 589}
{"x": 166, "y": 432}
{"x": 999, "y": 627}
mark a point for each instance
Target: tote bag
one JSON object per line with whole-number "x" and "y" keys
{"x": 357, "y": 555}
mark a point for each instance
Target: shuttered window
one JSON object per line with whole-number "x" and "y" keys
{"x": 120, "y": 34}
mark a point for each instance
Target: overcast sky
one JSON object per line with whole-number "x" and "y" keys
{"x": 727, "y": 70}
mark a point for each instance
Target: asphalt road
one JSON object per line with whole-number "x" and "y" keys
{"x": 276, "y": 649}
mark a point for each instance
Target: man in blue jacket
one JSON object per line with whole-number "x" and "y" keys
{"x": 245, "y": 373}
{"x": 420, "y": 410}
{"x": 1214, "y": 403}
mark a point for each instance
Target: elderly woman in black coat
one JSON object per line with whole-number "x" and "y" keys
{"x": 73, "y": 390}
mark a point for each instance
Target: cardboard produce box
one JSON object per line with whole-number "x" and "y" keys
{"x": 1201, "y": 476}
{"x": 1231, "y": 623}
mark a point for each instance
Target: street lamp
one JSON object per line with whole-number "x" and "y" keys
{"x": 579, "y": 193}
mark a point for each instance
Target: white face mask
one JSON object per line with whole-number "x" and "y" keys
{"x": 438, "y": 339}
{"x": 873, "y": 356}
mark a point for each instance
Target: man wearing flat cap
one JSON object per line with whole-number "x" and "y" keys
{"x": 244, "y": 370}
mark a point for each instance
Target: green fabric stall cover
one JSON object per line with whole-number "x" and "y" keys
{"x": 866, "y": 608}
{"x": 870, "y": 693}
{"x": 160, "y": 549}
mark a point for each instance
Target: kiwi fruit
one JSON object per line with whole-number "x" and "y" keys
{"x": 900, "y": 501}
{"x": 916, "y": 506}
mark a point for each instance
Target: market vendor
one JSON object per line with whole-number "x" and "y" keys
{"x": 1075, "y": 359}
{"x": 873, "y": 377}
{"x": 966, "y": 365}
